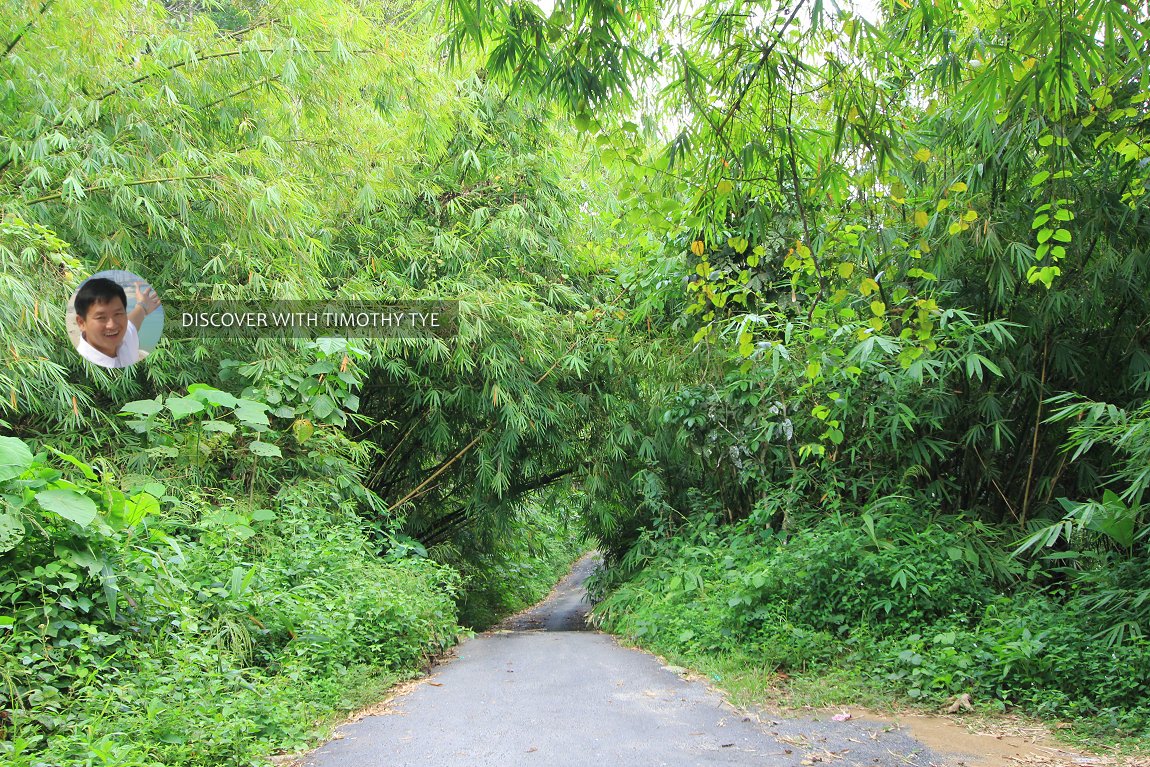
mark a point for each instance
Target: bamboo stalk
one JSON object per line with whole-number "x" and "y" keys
{"x": 141, "y": 182}
{"x": 1034, "y": 441}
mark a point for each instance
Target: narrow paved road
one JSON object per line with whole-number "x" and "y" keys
{"x": 545, "y": 691}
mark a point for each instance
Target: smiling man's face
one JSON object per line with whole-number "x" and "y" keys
{"x": 105, "y": 325}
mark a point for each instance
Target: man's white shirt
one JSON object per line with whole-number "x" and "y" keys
{"x": 127, "y": 354}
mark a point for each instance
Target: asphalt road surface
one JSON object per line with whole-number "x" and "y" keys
{"x": 544, "y": 690}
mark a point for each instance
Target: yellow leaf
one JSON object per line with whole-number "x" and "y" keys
{"x": 868, "y": 286}
{"x": 959, "y": 186}
{"x": 922, "y": 155}
{"x": 697, "y": 247}
{"x": 942, "y": 205}
{"x": 877, "y": 308}
{"x": 921, "y": 219}
{"x": 970, "y": 215}
{"x": 724, "y": 187}
{"x": 846, "y": 270}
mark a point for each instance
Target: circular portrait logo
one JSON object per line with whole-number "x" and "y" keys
{"x": 115, "y": 319}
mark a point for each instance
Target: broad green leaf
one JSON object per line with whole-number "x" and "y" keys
{"x": 323, "y": 406}
{"x": 15, "y": 458}
{"x": 181, "y": 407}
{"x": 265, "y": 449}
{"x": 69, "y": 504}
{"x": 211, "y": 395}
{"x": 138, "y": 507}
{"x": 302, "y": 429}
{"x": 11, "y": 529}
{"x": 83, "y": 467}
{"x": 252, "y": 413}
{"x": 143, "y": 407}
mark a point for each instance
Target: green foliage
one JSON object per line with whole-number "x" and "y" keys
{"x": 521, "y": 570}
{"x": 214, "y": 628}
{"x": 750, "y": 347}
{"x": 1099, "y": 547}
{"x": 905, "y": 601}
{"x": 1030, "y": 651}
{"x": 938, "y": 167}
{"x": 237, "y": 555}
{"x": 876, "y": 251}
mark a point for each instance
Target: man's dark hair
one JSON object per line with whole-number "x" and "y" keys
{"x": 98, "y": 290}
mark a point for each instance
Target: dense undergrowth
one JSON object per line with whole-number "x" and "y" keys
{"x": 211, "y": 631}
{"x": 900, "y": 604}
